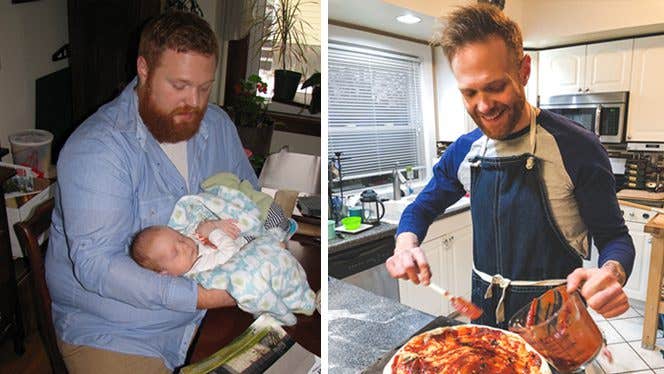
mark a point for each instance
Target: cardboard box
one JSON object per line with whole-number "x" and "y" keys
{"x": 20, "y": 208}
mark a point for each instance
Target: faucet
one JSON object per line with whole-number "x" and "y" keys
{"x": 396, "y": 183}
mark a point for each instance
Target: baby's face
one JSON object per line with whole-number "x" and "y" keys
{"x": 173, "y": 252}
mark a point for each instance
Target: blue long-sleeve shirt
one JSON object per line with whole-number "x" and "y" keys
{"x": 577, "y": 175}
{"x": 114, "y": 180}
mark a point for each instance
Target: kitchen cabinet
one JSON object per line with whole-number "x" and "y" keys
{"x": 448, "y": 248}
{"x": 645, "y": 97}
{"x": 600, "y": 67}
{"x": 637, "y": 285}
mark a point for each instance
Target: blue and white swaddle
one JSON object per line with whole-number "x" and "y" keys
{"x": 262, "y": 277}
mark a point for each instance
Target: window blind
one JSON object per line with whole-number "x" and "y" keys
{"x": 375, "y": 117}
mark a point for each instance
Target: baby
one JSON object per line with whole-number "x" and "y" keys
{"x": 167, "y": 251}
{"x": 263, "y": 278}
{"x": 230, "y": 237}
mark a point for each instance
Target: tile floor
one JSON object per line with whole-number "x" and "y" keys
{"x": 623, "y": 336}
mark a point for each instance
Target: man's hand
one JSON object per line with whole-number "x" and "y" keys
{"x": 408, "y": 260}
{"x": 208, "y": 299}
{"x": 601, "y": 289}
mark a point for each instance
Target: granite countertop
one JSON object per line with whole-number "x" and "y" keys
{"x": 362, "y": 326}
{"x": 345, "y": 241}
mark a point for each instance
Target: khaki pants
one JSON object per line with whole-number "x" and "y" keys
{"x": 85, "y": 359}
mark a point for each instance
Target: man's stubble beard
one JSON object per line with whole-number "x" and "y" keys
{"x": 163, "y": 126}
{"x": 515, "y": 111}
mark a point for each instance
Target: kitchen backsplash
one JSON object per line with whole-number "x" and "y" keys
{"x": 642, "y": 170}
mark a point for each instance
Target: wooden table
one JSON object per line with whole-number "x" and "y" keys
{"x": 221, "y": 326}
{"x": 654, "y": 301}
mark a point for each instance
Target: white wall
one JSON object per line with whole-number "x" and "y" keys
{"x": 548, "y": 22}
{"x": 29, "y": 34}
{"x": 453, "y": 120}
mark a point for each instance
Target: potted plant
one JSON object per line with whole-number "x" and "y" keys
{"x": 313, "y": 81}
{"x": 249, "y": 113}
{"x": 284, "y": 31}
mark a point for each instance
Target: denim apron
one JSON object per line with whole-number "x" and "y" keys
{"x": 519, "y": 252}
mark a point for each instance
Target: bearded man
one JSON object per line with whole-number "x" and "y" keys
{"x": 122, "y": 170}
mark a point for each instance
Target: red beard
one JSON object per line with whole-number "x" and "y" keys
{"x": 164, "y": 126}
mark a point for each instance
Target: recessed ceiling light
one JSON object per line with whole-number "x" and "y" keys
{"x": 409, "y": 19}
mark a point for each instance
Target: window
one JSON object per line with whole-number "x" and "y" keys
{"x": 375, "y": 115}
{"x": 309, "y": 12}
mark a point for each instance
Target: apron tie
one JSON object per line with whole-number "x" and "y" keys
{"x": 503, "y": 283}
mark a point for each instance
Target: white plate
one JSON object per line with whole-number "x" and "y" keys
{"x": 362, "y": 227}
{"x": 544, "y": 368}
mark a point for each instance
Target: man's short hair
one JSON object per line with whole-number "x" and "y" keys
{"x": 478, "y": 23}
{"x": 178, "y": 31}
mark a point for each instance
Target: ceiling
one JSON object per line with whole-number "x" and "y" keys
{"x": 383, "y": 17}
{"x": 544, "y": 23}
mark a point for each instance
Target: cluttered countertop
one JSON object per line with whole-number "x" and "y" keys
{"x": 363, "y": 327}
{"x": 384, "y": 229}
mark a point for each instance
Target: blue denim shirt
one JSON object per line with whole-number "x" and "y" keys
{"x": 114, "y": 180}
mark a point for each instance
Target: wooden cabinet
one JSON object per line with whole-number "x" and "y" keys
{"x": 600, "y": 67}
{"x": 645, "y": 96}
{"x": 448, "y": 248}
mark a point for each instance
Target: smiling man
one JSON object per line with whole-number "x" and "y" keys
{"x": 121, "y": 171}
{"x": 541, "y": 186}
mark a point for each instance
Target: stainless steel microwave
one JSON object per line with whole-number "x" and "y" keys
{"x": 605, "y": 114}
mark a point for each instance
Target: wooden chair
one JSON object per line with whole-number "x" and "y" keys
{"x": 28, "y": 233}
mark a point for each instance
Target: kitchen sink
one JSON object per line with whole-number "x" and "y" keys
{"x": 394, "y": 208}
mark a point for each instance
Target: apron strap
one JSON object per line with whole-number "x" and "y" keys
{"x": 504, "y": 283}
{"x": 533, "y": 141}
{"x": 530, "y": 162}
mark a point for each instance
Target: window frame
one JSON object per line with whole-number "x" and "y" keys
{"x": 424, "y": 53}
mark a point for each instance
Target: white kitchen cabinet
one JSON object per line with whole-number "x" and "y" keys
{"x": 637, "y": 285}
{"x": 459, "y": 254}
{"x": 424, "y": 298}
{"x": 600, "y": 67}
{"x": 448, "y": 248}
{"x": 562, "y": 70}
{"x": 645, "y": 94}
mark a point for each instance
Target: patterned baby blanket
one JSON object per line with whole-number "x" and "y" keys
{"x": 263, "y": 277}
